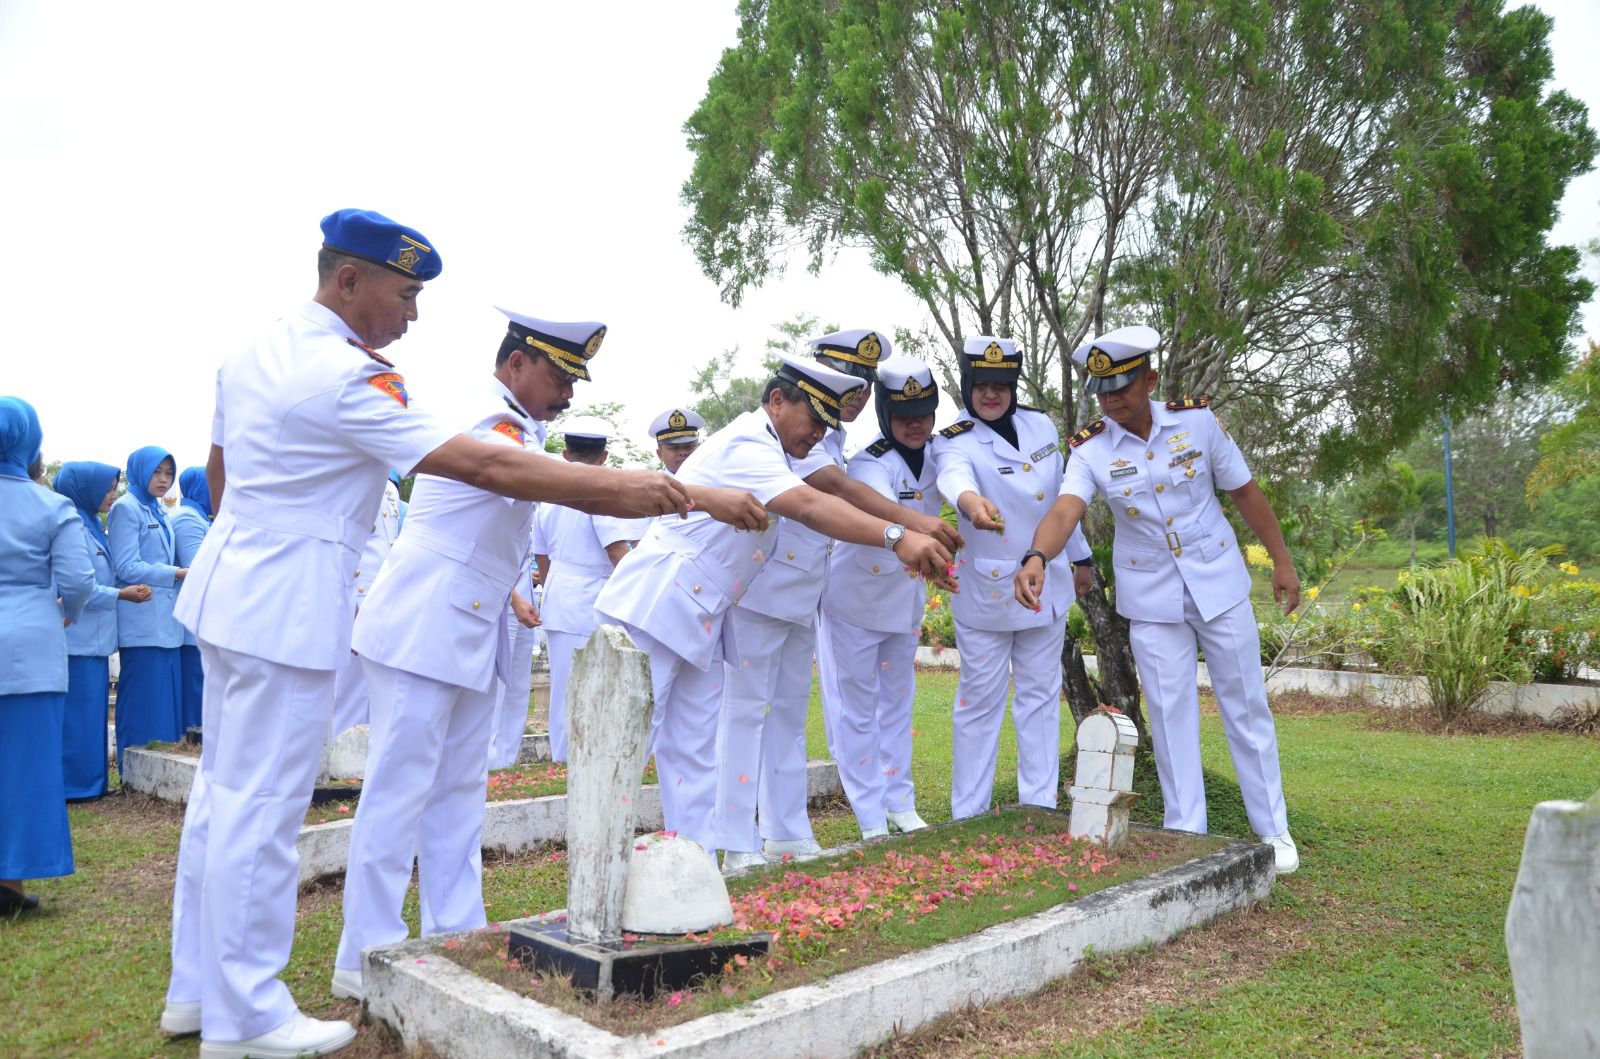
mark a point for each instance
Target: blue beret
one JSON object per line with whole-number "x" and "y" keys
{"x": 375, "y": 238}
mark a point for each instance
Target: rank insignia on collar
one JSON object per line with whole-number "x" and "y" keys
{"x": 369, "y": 351}
{"x": 1187, "y": 403}
{"x": 1098, "y": 426}
{"x": 392, "y": 384}
{"x": 512, "y": 431}
{"x": 956, "y": 429}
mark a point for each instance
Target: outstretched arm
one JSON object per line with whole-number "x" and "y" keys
{"x": 829, "y": 515}
{"x": 833, "y": 481}
{"x": 1050, "y": 537}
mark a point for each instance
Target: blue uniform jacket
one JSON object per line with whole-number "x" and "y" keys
{"x": 188, "y": 533}
{"x": 42, "y": 557}
{"x": 143, "y": 552}
{"x": 95, "y": 631}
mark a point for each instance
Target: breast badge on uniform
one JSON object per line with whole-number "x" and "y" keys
{"x": 512, "y": 431}
{"x": 1086, "y": 433}
{"x": 1188, "y": 404}
{"x": 956, "y": 429}
{"x": 392, "y": 384}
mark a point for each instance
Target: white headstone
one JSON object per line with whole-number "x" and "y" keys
{"x": 673, "y": 887}
{"x": 1102, "y": 787}
{"x": 1553, "y": 931}
{"x": 608, "y": 706}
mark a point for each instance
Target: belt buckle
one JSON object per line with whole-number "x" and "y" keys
{"x": 1173, "y": 543}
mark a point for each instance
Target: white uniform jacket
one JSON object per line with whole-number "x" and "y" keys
{"x": 379, "y": 541}
{"x": 1171, "y": 532}
{"x": 579, "y": 566}
{"x": 679, "y": 583}
{"x": 325, "y": 421}
{"x": 867, "y": 586}
{"x": 791, "y": 585}
{"x": 1022, "y": 482}
{"x": 437, "y": 608}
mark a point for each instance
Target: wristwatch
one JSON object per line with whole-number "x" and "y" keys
{"x": 893, "y": 534}
{"x": 1030, "y": 553}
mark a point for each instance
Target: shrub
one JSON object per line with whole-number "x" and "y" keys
{"x": 938, "y": 624}
{"x": 1561, "y": 634}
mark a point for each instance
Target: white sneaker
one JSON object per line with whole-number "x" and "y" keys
{"x": 299, "y": 1036}
{"x": 347, "y": 985}
{"x": 794, "y": 848}
{"x": 906, "y": 821}
{"x": 737, "y": 860}
{"x": 870, "y": 833}
{"x": 181, "y": 1018}
{"x": 1284, "y": 853}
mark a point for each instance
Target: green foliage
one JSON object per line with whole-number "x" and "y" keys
{"x": 621, "y": 450}
{"x": 938, "y": 623}
{"x": 1561, "y": 632}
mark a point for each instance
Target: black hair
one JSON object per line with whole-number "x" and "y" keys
{"x": 789, "y": 390}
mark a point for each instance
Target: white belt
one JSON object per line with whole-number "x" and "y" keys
{"x": 467, "y": 553}
{"x": 295, "y": 522}
{"x": 567, "y": 566}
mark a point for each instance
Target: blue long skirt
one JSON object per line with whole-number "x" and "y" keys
{"x": 149, "y": 697}
{"x": 83, "y": 744}
{"x": 194, "y": 682}
{"x": 35, "y": 839}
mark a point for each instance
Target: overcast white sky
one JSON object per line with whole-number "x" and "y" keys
{"x": 165, "y": 165}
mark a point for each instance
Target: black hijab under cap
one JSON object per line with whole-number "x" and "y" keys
{"x": 973, "y": 373}
{"x": 886, "y": 406}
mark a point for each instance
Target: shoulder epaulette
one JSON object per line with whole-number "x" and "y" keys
{"x": 956, "y": 429}
{"x": 1030, "y": 408}
{"x": 879, "y": 447}
{"x": 1086, "y": 433}
{"x": 1186, "y": 403}
{"x": 369, "y": 351}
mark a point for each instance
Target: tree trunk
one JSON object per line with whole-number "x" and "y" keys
{"x": 1083, "y": 697}
{"x": 1118, "y": 683}
{"x": 1489, "y": 522}
{"x": 1413, "y": 542}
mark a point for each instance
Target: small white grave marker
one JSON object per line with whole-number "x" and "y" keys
{"x": 1102, "y": 791}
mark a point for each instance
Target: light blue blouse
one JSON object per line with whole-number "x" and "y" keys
{"x": 143, "y": 552}
{"x": 95, "y": 631}
{"x": 189, "y": 532}
{"x": 42, "y": 557}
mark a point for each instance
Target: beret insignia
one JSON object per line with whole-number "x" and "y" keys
{"x": 369, "y": 351}
{"x": 392, "y": 384}
{"x": 1187, "y": 403}
{"x": 512, "y": 431}
{"x": 957, "y": 428}
{"x": 1086, "y": 433}
{"x": 879, "y": 447}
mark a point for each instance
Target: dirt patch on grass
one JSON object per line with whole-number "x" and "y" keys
{"x": 1424, "y": 721}
{"x": 1112, "y": 992}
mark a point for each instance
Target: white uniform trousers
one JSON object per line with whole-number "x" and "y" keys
{"x": 510, "y": 719}
{"x": 990, "y": 660}
{"x": 1165, "y": 654}
{"x": 423, "y": 793}
{"x": 562, "y": 646}
{"x": 761, "y": 734}
{"x": 683, "y": 737}
{"x": 349, "y": 696}
{"x": 238, "y": 871}
{"x": 873, "y": 681}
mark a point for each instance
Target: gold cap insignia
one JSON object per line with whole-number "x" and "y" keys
{"x": 677, "y": 421}
{"x": 592, "y": 347}
{"x": 408, "y": 258}
{"x": 869, "y": 348}
{"x": 913, "y": 388}
{"x": 993, "y": 354}
{"x": 1099, "y": 362}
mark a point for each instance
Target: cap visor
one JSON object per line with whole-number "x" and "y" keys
{"x": 1110, "y": 383}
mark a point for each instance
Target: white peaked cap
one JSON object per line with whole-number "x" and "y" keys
{"x": 586, "y": 427}
{"x": 677, "y": 426}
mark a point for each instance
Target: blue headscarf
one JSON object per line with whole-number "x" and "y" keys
{"x": 86, "y": 484}
{"x": 21, "y": 440}
{"x": 142, "y": 463}
{"x": 196, "y": 490}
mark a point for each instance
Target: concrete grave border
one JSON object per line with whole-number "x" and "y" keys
{"x": 428, "y": 999}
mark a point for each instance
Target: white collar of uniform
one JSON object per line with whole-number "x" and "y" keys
{"x": 323, "y": 316}
{"x": 1160, "y": 419}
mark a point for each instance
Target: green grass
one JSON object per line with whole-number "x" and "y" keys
{"x": 1410, "y": 844}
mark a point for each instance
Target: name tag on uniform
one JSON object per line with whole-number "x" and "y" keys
{"x": 154, "y": 525}
{"x": 1187, "y": 457}
{"x": 908, "y": 494}
{"x": 1042, "y": 453}
{"x": 1008, "y": 470}
{"x": 1123, "y": 472}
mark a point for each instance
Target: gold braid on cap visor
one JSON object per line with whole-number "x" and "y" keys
{"x": 665, "y": 434}
{"x": 569, "y": 362}
{"x": 1100, "y": 364}
{"x": 825, "y": 403}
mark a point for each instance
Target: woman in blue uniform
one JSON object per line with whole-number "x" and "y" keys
{"x": 143, "y": 551}
{"x": 93, "y": 637}
{"x": 42, "y": 560}
{"x": 190, "y": 520}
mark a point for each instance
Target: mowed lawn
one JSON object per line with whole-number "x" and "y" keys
{"x": 1387, "y": 942}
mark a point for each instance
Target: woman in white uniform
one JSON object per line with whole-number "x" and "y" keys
{"x": 1001, "y": 469}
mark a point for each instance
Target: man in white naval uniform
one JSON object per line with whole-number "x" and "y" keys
{"x": 350, "y": 684}
{"x": 677, "y": 434}
{"x": 674, "y": 591}
{"x": 1180, "y": 576}
{"x": 434, "y": 644}
{"x": 309, "y": 420}
{"x": 1000, "y": 470}
{"x": 761, "y": 741}
{"x": 872, "y": 614}
{"x": 581, "y": 552}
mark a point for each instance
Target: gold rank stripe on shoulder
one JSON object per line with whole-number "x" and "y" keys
{"x": 956, "y": 429}
{"x": 512, "y": 431}
{"x": 369, "y": 351}
{"x": 1187, "y": 403}
{"x": 879, "y": 447}
{"x": 1086, "y": 433}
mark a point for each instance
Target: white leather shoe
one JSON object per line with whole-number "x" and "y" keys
{"x": 1284, "y": 853}
{"x": 906, "y": 821}
{"x": 871, "y": 833}
{"x": 795, "y": 848}
{"x": 299, "y": 1036}
{"x": 347, "y": 985}
{"x": 181, "y": 1018}
{"x": 735, "y": 860}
